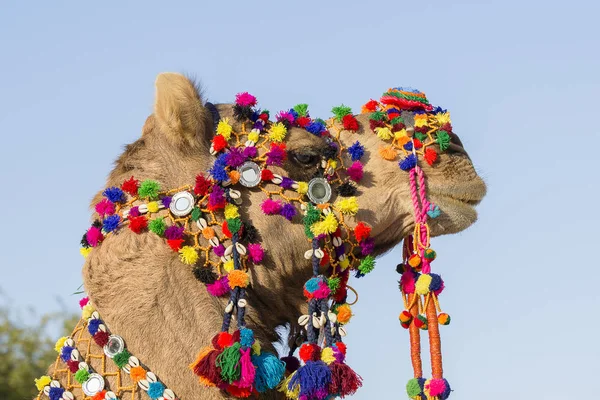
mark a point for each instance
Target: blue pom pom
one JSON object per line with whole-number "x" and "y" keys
{"x": 111, "y": 223}
{"x": 439, "y": 109}
{"x": 246, "y": 337}
{"x": 408, "y": 146}
{"x": 446, "y": 393}
{"x": 155, "y": 390}
{"x": 408, "y": 163}
{"x": 114, "y": 194}
{"x": 65, "y": 353}
{"x": 312, "y": 285}
{"x": 436, "y": 282}
{"x": 393, "y": 111}
{"x": 269, "y": 371}
{"x": 356, "y": 151}
{"x": 314, "y": 378}
{"x": 218, "y": 171}
{"x": 316, "y": 127}
{"x": 93, "y": 326}
{"x": 56, "y": 393}
{"x": 294, "y": 113}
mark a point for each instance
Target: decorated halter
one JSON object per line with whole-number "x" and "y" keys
{"x": 202, "y": 223}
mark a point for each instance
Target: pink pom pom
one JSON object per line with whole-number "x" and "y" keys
{"x": 255, "y": 252}
{"x": 219, "y": 250}
{"x": 245, "y": 99}
{"x": 219, "y": 287}
{"x": 407, "y": 281}
{"x": 322, "y": 292}
{"x": 355, "y": 171}
{"x": 105, "y": 207}
{"x": 83, "y": 302}
{"x": 94, "y": 236}
{"x": 436, "y": 387}
{"x": 271, "y": 207}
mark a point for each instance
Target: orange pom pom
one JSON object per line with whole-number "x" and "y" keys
{"x": 414, "y": 260}
{"x": 137, "y": 374}
{"x": 238, "y": 278}
{"x": 99, "y": 395}
{"x": 370, "y": 106}
{"x": 208, "y": 233}
{"x": 388, "y": 153}
{"x": 234, "y": 176}
{"x": 344, "y": 313}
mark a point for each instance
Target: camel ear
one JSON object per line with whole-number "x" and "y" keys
{"x": 179, "y": 111}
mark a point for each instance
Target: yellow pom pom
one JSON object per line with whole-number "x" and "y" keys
{"x": 42, "y": 382}
{"x": 333, "y": 164}
{"x": 400, "y": 134}
{"x": 347, "y": 205}
{"x": 327, "y": 355}
{"x": 153, "y": 207}
{"x": 188, "y": 255}
{"x": 344, "y": 313}
{"x": 253, "y": 136}
{"x": 228, "y": 266}
{"x": 278, "y": 132}
{"x": 231, "y": 211}
{"x": 224, "y": 128}
{"x": 443, "y": 118}
{"x": 344, "y": 263}
{"x": 328, "y": 225}
{"x": 86, "y": 311}
{"x": 302, "y": 187}
{"x": 420, "y": 120}
{"x": 384, "y": 133}
{"x": 256, "y": 348}
{"x": 85, "y": 251}
{"x": 60, "y": 343}
{"x": 422, "y": 285}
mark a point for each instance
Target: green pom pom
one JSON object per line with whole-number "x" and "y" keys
{"x": 313, "y": 215}
{"x": 301, "y": 109}
{"x": 367, "y": 265}
{"x": 196, "y": 214}
{"x": 228, "y": 360}
{"x": 397, "y": 120}
{"x": 122, "y": 358}
{"x": 341, "y": 111}
{"x": 157, "y": 226}
{"x": 82, "y": 375}
{"x": 413, "y": 389}
{"x": 443, "y": 140}
{"x": 421, "y": 136}
{"x": 308, "y": 232}
{"x": 149, "y": 189}
{"x": 379, "y": 116}
{"x": 334, "y": 284}
{"x": 234, "y": 225}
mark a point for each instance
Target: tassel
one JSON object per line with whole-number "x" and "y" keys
{"x": 247, "y": 372}
{"x": 228, "y": 361}
{"x": 206, "y": 367}
{"x": 291, "y": 363}
{"x": 269, "y": 371}
{"x": 291, "y": 391}
{"x": 313, "y": 380}
{"x": 238, "y": 391}
{"x": 344, "y": 380}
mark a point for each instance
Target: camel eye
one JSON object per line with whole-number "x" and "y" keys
{"x": 305, "y": 158}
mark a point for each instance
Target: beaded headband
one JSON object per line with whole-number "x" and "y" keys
{"x": 202, "y": 223}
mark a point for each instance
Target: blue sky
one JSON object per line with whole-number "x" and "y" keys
{"x": 520, "y": 79}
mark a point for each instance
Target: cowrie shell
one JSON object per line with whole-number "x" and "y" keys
{"x": 329, "y": 171}
{"x": 212, "y": 151}
{"x": 326, "y": 211}
{"x": 127, "y": 368}
{"x": 54, "y": 384}
{"x": 303, "y": 207}
{"x": 102, "y": 327}
{"x": 240, "y": 248}
{"x": 168, "y": 394}
{"x": 333, "y": 330}
{"x": 226, "y": 258}
{"x": 322, "y": 319}
{"x": 295, "y": 185}
{"x": 95, "y": 315}
{"x": 229, "y": 307}
{"x": 151, "y": 377}
{"x": 249, "y": 143}
{"x": 235, "y": 194}
{"x": 69, "y": 342}
{"x": 144, "y": 385}
{"x": 83, "y": 365}
{"x": 303, "y": 320}
{"x": 214, "y": 241}
{"x": 315, "y": 321}
{"x": 47, "y": 390}
{"x": 319, "y": 253}
{"x": 226, "y": 183}
{"x": 75, "y": 355}
{"x": 323, "y": 163}
{"x": 337, "y": 241}
{"x": 201, "y": 223}
{"x": 110, "y": 396}
{"x": 125, "y": 214}
{"x": 133, "y": 361}
{"x": 342, "y": 257}
{"x": 143, "y": 208}
{"x": 342, "y": 331}
{"x": 277, "y": 179}
{"x": 229, "y": 250}
{"x": 308, "y": 254}
{"x": 238, "y": 201}
{"x": 67, "y": 395}
{"x": 332, "y": 317}
{"x": 242, "y": 303}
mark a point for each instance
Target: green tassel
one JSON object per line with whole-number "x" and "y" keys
{"x": 379, "y": 116}
{"x": 301, "y": 109}
{"x": 157, "y": 226}
{"x": 420, "y": 136}
{"x": 196, "y": 214}
{"x": 234, "y": 225}
{"x": 367, "y": 265}
{"x": 334, "y": 284}
{"x": 122, "y": 358}
{"x": 149, "y": 189}
{"x": 397, "y": 120}
{"x": 82, "y": 375}
{"x": 341, "y": 111}
{"x": 228, "y": 361}
{"x": 443, "y": 140}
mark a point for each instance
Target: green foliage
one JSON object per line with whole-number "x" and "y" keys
{"x": 27, "y": 351}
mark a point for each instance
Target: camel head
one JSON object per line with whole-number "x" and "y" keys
{"x": 160, "y": 305}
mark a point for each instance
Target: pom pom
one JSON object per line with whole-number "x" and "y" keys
{"x": 437, "y": 388}
{"x": 175, "y": 244}
{"x": 350, "y": 123}
{"x": 367, "y": 246}
{"x": 93, "y": 326}
{"x": 312, "y": 379}
{"x": 224, "y": 128}
{"x": 414, "y": 260}
{"x": 157, "y": 226}
{"x": 228, "y": 361}
{"x": 219, "y": 288}
{"x": 316, "y": 288}
{"x": 231, "y": 211}
{"x": 82, "y": 375}
{"x": 369, "y": 106}
{"x": 316, "y": 127}
{"x": 155, "y": 390}
{"x": 188, "y": 255}
{"x": 302, "y": 187}
{"x": 301, "y": 109}
{"x": 60, "y": 343}
{"x": 347, "y": 205}
{"x": 430, "y": 254}
{"x": 218, "y": 170}
{"x": 131, "y": 186}
{"x": 238, "y": 278}
{"x": 361, "y": 231}
{"x": 86, "y": 311}
{"x": 344, "y": 313}
{"x": 355, "y": 171}
{"x": 202, "y": 186}
{"x": 344, "y": 380}
{"x": 346, "y": 189}
{"x": 422, "y": 285}
{"x": 219, "y": 143}
{"x": 245, "y": 99}
{"x": 250, "y": 152}
{"x": 433, "y": 211}
{"x": 94, "y": 236}
{"x": 42, "y": 382}
{"x": 277, "y": 154}
{"x": 444, "y": 319}
{"x": 356, "y": 151}
{"x": 310, "y": 351}
{"x": 149, "y": 189}
{"x": 56, "y": 393}
{"x": 388, "y": 153}
{"x": 430, "y": 156}
{"x": 408, "y": 163}
{"x": 216, "y": 199}
{"x": 205, "y": 275}
{"x": 255, "y": 252}
{"x": 138, "y": 224}
{"x": 83, "y": 302}
{"x": 405, "y": 317}
{"x": 277, "y": 132}
{"x": 384, "y": 133}
{"x": 235, "y": 157}
{"x": 105, "y": 207}
{"x": 122, "y": 358}
{"x": 443, "y": 140}
{"x": 134, "y": 212}
{"x": 266, "y": 175}
{"x": 73, "y": 366}
{"x": 114, "y": 194}
{"x": 269, "y": 371}
{"x": 137, "y": 374}
{"x": 414, "y": 388}
{"x": 328, "y": 225}
{"x": 341, "y": 111}
{"x": 288, "y": 211}
{"x": 366, "y": 265}
{"x": 291, "y": 363}
{"x": 271, "y": 207}
{"x": 101, "y": 338}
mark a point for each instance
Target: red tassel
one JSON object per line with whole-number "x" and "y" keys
{"x": 101, "y": 338}
{"x": 175, "y": 244}
{"x": 310, "y": 351}
{"x": 206, "y": 367}
{"x": 73, "y": 366}
{"x": 370, "y": 106}
{"x": 361, "y": 231}
{"x": 238, "y": 391}
{"x": 202, "y": 185}
{"x": 225, "y": 230}
{"x": 341, "y": 347}
{"x": 138, "y": 224}
{"x": 430, "y": 155}
{"x": 219, "y": 143}
{"x": 350, "y": 123}
{"x": 224, "y": 339}
{"x": 131, "y": 186}
{"x": 344, "y": 381}
{"x": 302, "y": 121}
{"x": 266, "y": 175}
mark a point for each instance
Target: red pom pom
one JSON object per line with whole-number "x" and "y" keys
{"x": 310, "y": 351}
{"x": 175, "y": 244}
{"x": 361, "y": 231}
{"x": 303, "y": 121}
{"x": 446, "y": 127}
{"x": 73, "y": 365}
{"x": 376, "y": 124}
{"x": 430, "y": 155}
{"x": 417, "y": 143}
{"x": 225, "y": 229}
{"x": 239, "y": 392}
{"x": 264, "y": 117}
{"x": 370, "y": 106}
{"x": 202, "y": 185}
{"x": 138, "y": 224}
{"x": 131, "y": 186}
{"x": 266, "y": 175}
{"x": 341, "y": 346}
{"x": 219, "y": 143}
{"x": 350, "y": 123}
{"x": 101, "y": 338}
{"x": 393, "y": 115}
{"x": 224, "y": 340}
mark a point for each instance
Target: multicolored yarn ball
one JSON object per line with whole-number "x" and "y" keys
{"x": 430, "y": 254}
{"x": 414, "y": 388}
{"x": 437, "y": 389}
{"x": 421, "y": 322}
{"x": 316, "y": 288}
{"x": 405, "y": 318}
{"x": 444, "y": 319}
{"x": 414, "y": 261}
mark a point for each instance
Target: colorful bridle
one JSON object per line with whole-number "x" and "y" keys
{"x": 202, "y": 223}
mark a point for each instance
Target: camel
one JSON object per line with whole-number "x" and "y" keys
{"x": 149, "y": 298}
